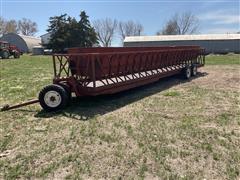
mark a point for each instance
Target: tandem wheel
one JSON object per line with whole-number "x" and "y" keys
{"x": 53, "y": 97}
{"x": 187, "y": 72}
{"x": 194, "y": 70}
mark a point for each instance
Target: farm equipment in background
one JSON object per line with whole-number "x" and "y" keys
{"x": 7, "y": 50}
{"x": 97, "y": 71}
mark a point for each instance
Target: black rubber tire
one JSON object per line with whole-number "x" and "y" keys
{"x": 187, "y": 72}
{"x": 60, "y": 90}
{"x": 68, "y": 91}
{"x": 16, "y": 55}
{"x": 5, "y": 54}
{"x": 194, "y": 70}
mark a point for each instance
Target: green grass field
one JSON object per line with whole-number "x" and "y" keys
{"x": 223, "y": 59}
{"x": 172, "y": 129}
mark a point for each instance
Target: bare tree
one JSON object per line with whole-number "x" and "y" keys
{"x": 129, "y": 28}
{"x": 27, "y": 27}
{"x": 2, "y": 25}
{"x": 106, "y": 29}
{"x": 171, "y": 28}
{"x": 185, "y": 23}
{"x": 10, "y": 27}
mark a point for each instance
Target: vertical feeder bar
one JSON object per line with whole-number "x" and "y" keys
{"x": 54, "y": 66}
{"x": 93, "y": 70}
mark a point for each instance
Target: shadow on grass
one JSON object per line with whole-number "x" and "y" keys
{"x": 8, "y": 59}
{"x": 85, "y": 108}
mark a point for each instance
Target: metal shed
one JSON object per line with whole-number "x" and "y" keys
{"x": 45, "y": 38}
{"x": 213, "y": 43}
{"x": 37, "y": 50}
{"x": 24, "y": 43}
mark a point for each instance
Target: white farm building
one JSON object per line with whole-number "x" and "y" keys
{"x": 213, "y": 43}
{"x": 24, "y": 43}
{"x": 45, "y": 38}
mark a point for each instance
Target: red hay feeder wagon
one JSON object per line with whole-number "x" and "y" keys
{"x": 97, "y": 71}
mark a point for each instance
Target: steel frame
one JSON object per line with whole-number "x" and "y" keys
{"x": 112, "y": 70}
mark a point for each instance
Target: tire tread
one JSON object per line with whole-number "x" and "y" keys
{"x": 57, "y": 88}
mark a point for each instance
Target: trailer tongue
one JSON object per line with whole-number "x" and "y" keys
{"x": 7, "y": 107}
{"x": 96, "y": 71}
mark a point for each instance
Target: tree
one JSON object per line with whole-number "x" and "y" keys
{"x": 27, "y": 27}
{"x": 10, "y": 27}
{"x": 2, "y": 24}
{"x": 129, "y": 28}
{"x": 57, "y": 29}
{"x": 68, "y": 32}
{"x": 185, "y": 23}
{"x": 24, "y": 26}
{"x": 105, "y": 29}
{"x": 171, "y": 28}
{"x": 89, "y": 35}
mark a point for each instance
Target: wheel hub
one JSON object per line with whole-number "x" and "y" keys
{"x": 188, "y": 72}
{"x": 194, "y": 70}
{"x": 52, "y": 99}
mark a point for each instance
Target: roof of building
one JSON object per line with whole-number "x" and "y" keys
{"x": 46, "y": 34}
{"x": 31, "y": 41}
{"x": 182, "y": 37}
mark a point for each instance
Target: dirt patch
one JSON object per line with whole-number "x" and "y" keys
{"x": 220, "y": 78}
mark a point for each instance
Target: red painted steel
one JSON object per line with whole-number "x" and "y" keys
{"x": 94, "y": 71}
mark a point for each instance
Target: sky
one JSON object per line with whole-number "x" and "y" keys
{"x": 215, "y": 16}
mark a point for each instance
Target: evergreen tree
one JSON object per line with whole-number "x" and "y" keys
{"x": 88, "y": 32}
{"x": 67, "y": 32}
